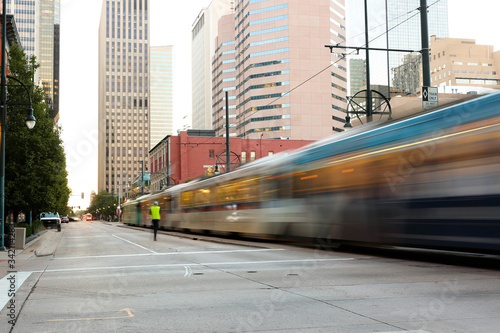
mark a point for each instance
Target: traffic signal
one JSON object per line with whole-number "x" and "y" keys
{"x": 82, "y": 195}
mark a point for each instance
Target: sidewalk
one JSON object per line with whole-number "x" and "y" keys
{"x": 4, "y": 255}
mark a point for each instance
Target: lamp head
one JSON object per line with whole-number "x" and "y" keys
{"x": 30, "y": 119}
{"x": 347, "y": 123}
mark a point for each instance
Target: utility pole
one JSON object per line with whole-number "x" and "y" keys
{"x": 369, "y": 111}
{"x": 228, "y": 154}
{"x": 426, "y": 66}
{"x": 168, "y": 162}
{"x": 142, "y": 178}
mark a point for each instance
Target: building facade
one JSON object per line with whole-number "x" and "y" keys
{"x": 191, "y": 155}
{"x": 459, "y": 62}
{"x": 161, "y": 92}
{"x": 124, "y": 97}
{"x": 204, "y": 31}
{"x": 282, "y": 83}
{"x": 407, "y": 76}
{"x": 357, "y": 75}
{"x": 38, "y": 24}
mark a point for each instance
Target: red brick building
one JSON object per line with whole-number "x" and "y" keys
{"x": 195, "y": 153}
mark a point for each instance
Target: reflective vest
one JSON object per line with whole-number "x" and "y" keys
{"x": 155, "y": 212}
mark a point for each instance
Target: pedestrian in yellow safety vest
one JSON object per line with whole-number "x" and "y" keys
{"x": 155, "y": 216}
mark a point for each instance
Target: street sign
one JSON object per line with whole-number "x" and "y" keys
{"x": 429, "y": 97}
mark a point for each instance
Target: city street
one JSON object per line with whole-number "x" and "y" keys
{"x": 101, "y": 277}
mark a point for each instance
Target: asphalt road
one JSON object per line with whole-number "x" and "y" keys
{"x": 95, "y": 277}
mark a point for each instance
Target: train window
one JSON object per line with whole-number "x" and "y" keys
{"x": 187, "y": 199}
{"x": 243, "y": 189}
{"x": 202, "y": 196}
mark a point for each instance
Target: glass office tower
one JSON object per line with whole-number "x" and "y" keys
{"x": 404, "y": 33}
{"x": 38, "y": 24}
{"x": 161, "y": 82}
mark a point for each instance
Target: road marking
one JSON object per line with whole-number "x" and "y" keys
{"x": 191, "y": 265}
{"x": 126, "y": 240}
{"x": 6, "y": 293}
{"x": 189, "y": 271}
{"x": 127, "y": 310}
{"x": 167, "y": 254}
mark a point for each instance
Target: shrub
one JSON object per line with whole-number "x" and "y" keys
{"x": 37, "y": 226}
{"x": 26, "y": 226}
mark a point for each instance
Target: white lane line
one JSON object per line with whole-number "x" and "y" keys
{"x": 142, "y": 247}
{"x": 167, "y": 254}
{"x": 191, "y": 265}
{"x": 14, "y": 280}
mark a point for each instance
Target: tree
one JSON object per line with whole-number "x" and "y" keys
{"x": 103, "y": 203}
{"x": 35, "y": 163}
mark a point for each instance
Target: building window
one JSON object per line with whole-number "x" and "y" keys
{"x": 243, "y": 157}
{"x": 211, "y": 153}
{"x": 252, "y": 156}
{"x": 271, "y": 153}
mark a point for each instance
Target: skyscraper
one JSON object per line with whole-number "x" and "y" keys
{"x": 202, "y": 38}
{"x": 281, "y": 80}
{"x": 38, "y": 24}
{"x": 161, "y": 83}
{"x": 48, "y": 53}
{"x": 357, "y": 79}
{"x": 123, "y": 92}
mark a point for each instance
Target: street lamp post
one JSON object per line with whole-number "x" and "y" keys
{"x": 118, "y": 209}
{"x": 30, "y": 120}
{"x": 142, "y": 177}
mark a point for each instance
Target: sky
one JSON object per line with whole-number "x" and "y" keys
{"x": 170, "y": 24}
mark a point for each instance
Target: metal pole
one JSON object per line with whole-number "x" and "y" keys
{"x": 228, "y": 162}
{"x": 2, "y": 125}
{"x": 368, "y": 84}
{"x": 168, "y": 162}
{"x": 119, "y": 188}
{"x": 387, "y": 41}
{"x": 142, "y": 179}
{"x": 426, "y": 66}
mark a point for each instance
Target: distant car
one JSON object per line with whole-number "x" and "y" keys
{"x": 73, "y": 219}
{"x": 64, "y": 219}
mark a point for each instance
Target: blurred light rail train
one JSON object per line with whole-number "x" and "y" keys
{"x": 430, "y": 181}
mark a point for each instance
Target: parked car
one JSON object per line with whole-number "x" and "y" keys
{"x": 64, "y": 219}
{"x": 50, "y": 219}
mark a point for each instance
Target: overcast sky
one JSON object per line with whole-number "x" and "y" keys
{"x": 171, "y": 22}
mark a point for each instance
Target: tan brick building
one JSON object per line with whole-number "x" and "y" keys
{"x": 459, "y": 62}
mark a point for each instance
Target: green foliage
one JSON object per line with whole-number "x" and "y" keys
{"x": 37, "y": 226}
{"x": 27, "y": 227}
{"x": 103, "y": 203}
{"x": 35, "y": 164}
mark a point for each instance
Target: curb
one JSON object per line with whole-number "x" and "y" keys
{"x": 33, "y": 239}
